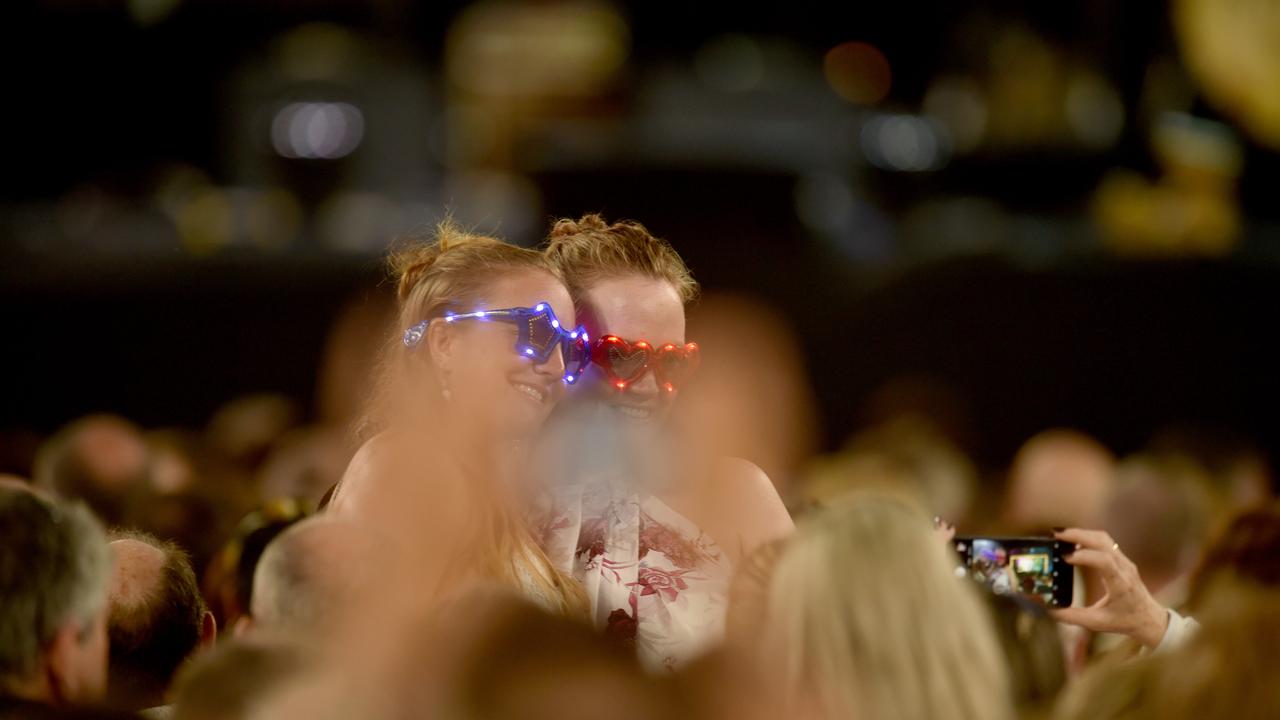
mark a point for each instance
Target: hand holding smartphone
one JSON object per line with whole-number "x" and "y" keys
{"x": 1033, "y": 567}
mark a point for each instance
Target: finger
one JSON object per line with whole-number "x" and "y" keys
{"x": 1092, "y": 539}
{"x": 1086, "y": 617}
{"x": 1103, "y": 562}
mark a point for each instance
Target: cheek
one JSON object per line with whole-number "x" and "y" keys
{"x": 482, "y": 374}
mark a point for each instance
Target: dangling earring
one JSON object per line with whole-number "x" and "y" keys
{"x": 445, "y": 392}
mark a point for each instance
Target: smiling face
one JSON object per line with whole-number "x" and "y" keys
{"x": 633, "y": 308}
{"x": 491, "y": 387}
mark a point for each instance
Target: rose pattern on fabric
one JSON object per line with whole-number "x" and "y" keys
{"x": 679, "y": 549}
{"x": 620, "y": 629}
{"x": 668, "y": 584}
{"x": 654, "y": 580}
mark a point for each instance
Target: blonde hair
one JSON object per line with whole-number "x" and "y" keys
{"x": 867, "y": 618}
{"x": 588, "y": 250}
{"x": 451, "y": 271}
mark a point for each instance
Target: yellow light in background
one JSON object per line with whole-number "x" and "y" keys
{"x": 858, "y": 72}
{"x": 508, "y": 49}
{"x": 1231, "y": 50}
{"x": 176, "y": 185}
{"x": 273, "y": 218}
{"x": 205, "y": 222}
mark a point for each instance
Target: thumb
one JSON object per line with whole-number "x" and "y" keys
{"x": 1085, "y": 617}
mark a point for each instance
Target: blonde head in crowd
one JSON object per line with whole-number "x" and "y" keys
{"x": 457, "y": 415}
{"x": 452, "y": 271}
{"x": 866, "y": 618}
{"x": 627, "y": 283}
{"x": 588, "y": 250}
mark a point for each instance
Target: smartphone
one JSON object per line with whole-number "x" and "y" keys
{"x": 1029, "y": 566}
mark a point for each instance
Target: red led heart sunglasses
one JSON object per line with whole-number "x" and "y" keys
{"x": 626, "y": 362}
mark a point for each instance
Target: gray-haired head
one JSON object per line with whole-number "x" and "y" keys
{"x": 54, "y": 570}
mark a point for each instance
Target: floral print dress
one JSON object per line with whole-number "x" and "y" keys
{"x": 655, "y": 582}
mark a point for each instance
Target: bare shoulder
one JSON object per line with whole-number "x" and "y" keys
{"x": 387, "y": 472}
{"x": 372, "y": 459}
{"x": 743, "y": 482}
{"x": 742, "y": 488}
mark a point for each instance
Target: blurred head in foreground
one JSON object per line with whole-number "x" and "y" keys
{"x": 54, "y": 570}
{"x": 157, "y": 619}
{"x": 309, "y": 574}
{"x": 1246, "y": 548}
{"x": 527, "y": 664}
{"x": 867, "y": 618}
{"x": 237, "y": 681}
{"x": 631, "y": 290}
{"x": 1227, "y": 670}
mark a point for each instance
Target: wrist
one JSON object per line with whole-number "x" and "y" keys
{"x": 1153, "y": 630}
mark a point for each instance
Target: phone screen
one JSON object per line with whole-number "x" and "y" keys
{"x": 1031, "y": 567}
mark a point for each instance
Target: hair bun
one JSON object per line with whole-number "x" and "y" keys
{"x": 409, "y": 263}
{"x": 587, "y": 223}
{"x": 411, "y": 259}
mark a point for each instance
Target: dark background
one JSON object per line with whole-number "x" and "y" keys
{"x": 1038, "y": 329}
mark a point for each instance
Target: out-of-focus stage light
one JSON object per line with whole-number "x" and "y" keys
{"x": 317, "y": 130}
{"x": 858, "y": 72}
{"x": 1094, "y": 110}
{"x": 905, "y": 143}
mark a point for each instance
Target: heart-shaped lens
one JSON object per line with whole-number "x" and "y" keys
{"x": 623, "y": 361}
{"x": 674, "y": 364}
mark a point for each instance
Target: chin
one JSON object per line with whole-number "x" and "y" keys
{"x": 521, "y": 419}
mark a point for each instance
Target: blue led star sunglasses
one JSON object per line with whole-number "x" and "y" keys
{"x": 538, "y": 332}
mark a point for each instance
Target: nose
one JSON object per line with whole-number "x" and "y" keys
{"x": 644, "y": 388}
{"x": 554, "y": 366}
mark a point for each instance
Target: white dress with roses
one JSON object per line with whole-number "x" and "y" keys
{"x": 654, "y": 580}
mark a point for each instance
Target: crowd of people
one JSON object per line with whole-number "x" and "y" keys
{"x": 537, "y": 510}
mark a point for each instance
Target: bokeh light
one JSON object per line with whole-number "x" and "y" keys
{"x": 958, "y": 103}
{"x": 858, "y": 72}
{"x": 317, "y": 130}
{"x": 905, "y": 143}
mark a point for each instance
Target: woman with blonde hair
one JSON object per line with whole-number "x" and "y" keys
{"x": 483, "y": 349}
{"x": 866, "y": 618}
